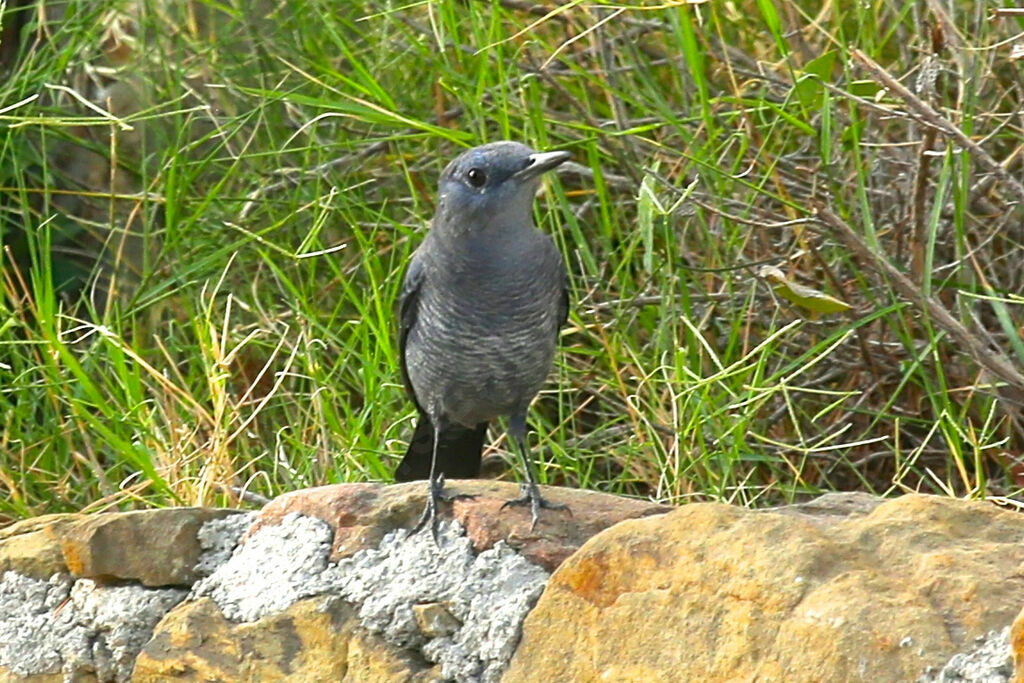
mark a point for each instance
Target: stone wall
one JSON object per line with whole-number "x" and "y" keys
{"x": 328, "y": 584}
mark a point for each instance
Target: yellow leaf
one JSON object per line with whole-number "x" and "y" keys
{"x": 806, "y": 297}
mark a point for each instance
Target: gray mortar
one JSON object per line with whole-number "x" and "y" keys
{"x": 275, "y": 567}
{"x": 990, "y": 661}
{"x": 489, "y": 593}
{"x": 218, "y": 538}
{"x": 76, "y": 627}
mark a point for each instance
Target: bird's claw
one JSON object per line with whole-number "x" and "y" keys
{"x": 429, "y": 515}
{"x": 530, "y": 495}
{"x": 436, "y": 493}
{"x": 452, "y": 497}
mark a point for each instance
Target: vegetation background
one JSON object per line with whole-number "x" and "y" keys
{"x": 793, "y": 227}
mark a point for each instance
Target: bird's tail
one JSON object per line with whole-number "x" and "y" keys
{"x": 459, "y": 451}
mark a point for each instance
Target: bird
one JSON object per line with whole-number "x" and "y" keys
{"x": 482, "y": 303}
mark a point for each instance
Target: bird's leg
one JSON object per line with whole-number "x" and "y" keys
{"x": 434, "y": 487}
{"x": 529, "y": 494}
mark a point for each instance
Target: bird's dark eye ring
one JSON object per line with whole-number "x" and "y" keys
{"x": 476, "y": 177}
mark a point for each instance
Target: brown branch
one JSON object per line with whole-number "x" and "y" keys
{"x": 934, "y": 118}
{"x": 983, "y": 354}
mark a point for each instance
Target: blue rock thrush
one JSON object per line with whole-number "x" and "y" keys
{"x": 481, "y": 306}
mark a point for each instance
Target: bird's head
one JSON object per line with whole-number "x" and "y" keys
{"x": 492, "y": 185}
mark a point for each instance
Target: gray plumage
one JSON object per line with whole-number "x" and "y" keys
{"x": 483, "y": 300}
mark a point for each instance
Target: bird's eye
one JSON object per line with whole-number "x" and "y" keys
{"x": 476, "y": 177}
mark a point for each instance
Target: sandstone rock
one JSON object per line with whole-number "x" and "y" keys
{"x": 710, "y": 592}
{"x": 32, "y": 548}
{"x": 8, "y": 676}
{"x": 435, "y": 620}
{"x": 1017, "y": 647}
{"x": 829, "y": 508}
{"x": 153, "y": 547}
{"x": 371, "y": 658}
{"x": 361, "y": 514}
{"x": 845, "y": 587}
{"x": 314, "y": 639}
{"x": 32, "y": 525}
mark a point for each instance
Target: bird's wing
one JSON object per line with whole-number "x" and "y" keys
{"x": 408, "y": 305}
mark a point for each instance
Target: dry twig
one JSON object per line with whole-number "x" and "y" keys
{"x": 983, "y": 354}
{"x": 931, "y": 117}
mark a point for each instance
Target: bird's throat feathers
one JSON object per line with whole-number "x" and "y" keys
{"x": 489, "y": 227}
{"x": 482, "y": 246}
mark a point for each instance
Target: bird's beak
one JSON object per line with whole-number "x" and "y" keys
{"x": 541, "y": 162}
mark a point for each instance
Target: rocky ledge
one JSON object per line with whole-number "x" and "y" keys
{"x": 328, "y": 584}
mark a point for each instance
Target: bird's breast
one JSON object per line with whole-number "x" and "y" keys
{"x": 485, "y": 337}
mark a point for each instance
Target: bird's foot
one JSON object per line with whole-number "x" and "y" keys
{"x": 435, "y": 490}
{"x": 436, "y": 493}
{"x": 452, "y": 497}
{"x": 529, "y": 494}
{"x": 449, "y": 497}
{"x": 429, "y": 515}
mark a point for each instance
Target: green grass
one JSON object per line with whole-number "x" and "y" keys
{"x": 254, "y": 177}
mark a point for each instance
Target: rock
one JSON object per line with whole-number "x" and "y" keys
{"x": 218, "y": 539}
{"x": 54, "y": 627}
{"x": 8, "y": 676}
{"x": 329, "y": 584}
{"x": 435, "y": 620}
{"x": 361, "y": 515}
{"x": 354, "y": 511}
{"x": 722, "y": 593}
{"x": 272, "y": 569}
{"x": 829, "y": 508}
{"x": 371, "y": 658}
{"x": 32, "y": 547}
{"x": 153, "y": 547}
{"x": 313, "y": 639}
{"x": 1017, "y": 647}
{"x": 460, "y": 605}
{"x": 558, "y": 534}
